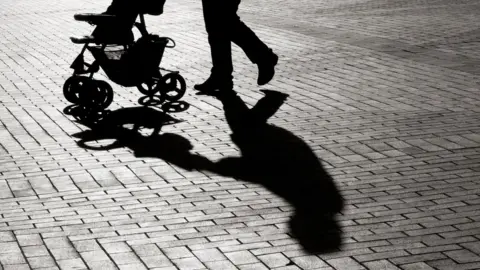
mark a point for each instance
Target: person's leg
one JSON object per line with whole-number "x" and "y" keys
{"x": 215, "y": 13}
{"x": 255, "y": 49}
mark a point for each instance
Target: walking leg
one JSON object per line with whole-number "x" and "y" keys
{"x": 255, "y": 49}
{"x": 215, "y": 17}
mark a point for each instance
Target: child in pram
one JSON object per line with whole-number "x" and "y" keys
{"x": 125, "y": 61}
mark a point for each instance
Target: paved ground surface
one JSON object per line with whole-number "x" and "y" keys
{"x": 386, "y": 93}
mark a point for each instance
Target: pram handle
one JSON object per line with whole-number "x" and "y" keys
{"x": 170, "y": 46}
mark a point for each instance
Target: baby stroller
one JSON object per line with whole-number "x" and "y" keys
{"x": 125, "y": 61}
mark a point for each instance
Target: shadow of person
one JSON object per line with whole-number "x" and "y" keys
{"x": 286, "y": 165}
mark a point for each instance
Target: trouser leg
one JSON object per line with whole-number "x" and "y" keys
{"x": 216, "y": 15}
{"x": 247, "y": 40}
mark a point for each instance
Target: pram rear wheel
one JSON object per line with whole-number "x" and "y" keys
{"x": 107, "y": 97}
{"x": 173, "y": 87}
{"x": 149, "y": 88}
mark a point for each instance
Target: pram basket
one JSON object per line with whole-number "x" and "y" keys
{"x": 132, "y": 66}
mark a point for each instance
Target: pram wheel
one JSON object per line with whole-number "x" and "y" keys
{"x": 149, "y": 88}
{"x": 107, "y": 94}
{"x": 96, "y": 95}
{"x": 71, "y": 88}
{"x": 173, "y": 87}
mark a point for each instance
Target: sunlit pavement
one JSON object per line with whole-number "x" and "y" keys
{"x": 386, "y": 93}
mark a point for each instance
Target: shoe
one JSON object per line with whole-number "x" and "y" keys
{"x": 266, "y": 69}
{"x": 212, "y": 84}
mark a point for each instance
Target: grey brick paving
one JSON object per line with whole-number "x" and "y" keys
{"x": 386, "y": 93}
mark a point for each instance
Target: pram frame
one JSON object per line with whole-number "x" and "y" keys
{"x": 157, "y": 83}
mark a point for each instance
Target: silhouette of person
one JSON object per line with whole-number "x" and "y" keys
{"x": 224, "y": 26}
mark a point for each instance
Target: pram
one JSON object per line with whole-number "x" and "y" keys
{"x": 126, "y": 62}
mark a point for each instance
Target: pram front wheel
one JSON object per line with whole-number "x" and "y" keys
{"x": 96, "y": 95}
{"x": 173, "y": 87}
{"x": 72, "y": 88}
{"x": 107, "y": 90}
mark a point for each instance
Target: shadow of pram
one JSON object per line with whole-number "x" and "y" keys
{"x": 138, "y": 129}
{"x": 125, "y": 126}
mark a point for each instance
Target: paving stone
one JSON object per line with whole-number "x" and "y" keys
{"x": 12, "y": 258}
{"x": 35, "y": 251}
{"x": 227, "y": 265}
{"x": 345, "y": 263}
{"x": 18, "y": 267}
{"x": 72, "y": 264}
{"x": 156, "y": 261}
{"x": 9, "y": 247}
{"x": 64, "y": 253}
{"x": 93, "y": 256}
{"x": 188, "y": 263}
{"x": 254, "y": 266}
{"x": 417, "y": 266}
{"x": 274, "y": 260}
{"x": 41, "y": 261}
{"x": 209, "y": 255}
{"x": 146, "y": 250}
{"x": 177, "y": 252}
{"x": 381, "y": 264}
{"x": 463, "y": 256}
{"x": 117, "y": 247}
{"x": 125, "y": 258}
{"x": 131, "y": 266}
{"x": 86, "y": 245}
{"x": 241, "y": 257}
{"x": 309, "y": 262}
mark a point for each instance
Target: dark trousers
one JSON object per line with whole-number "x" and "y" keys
{"x": 223, "y": 27}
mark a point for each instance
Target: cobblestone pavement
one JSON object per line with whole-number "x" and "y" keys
{"x": 386, "y": 93}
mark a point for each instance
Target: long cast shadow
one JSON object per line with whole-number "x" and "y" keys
{"x": 283, "y": 163}
{"x": 270, "y": 156}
